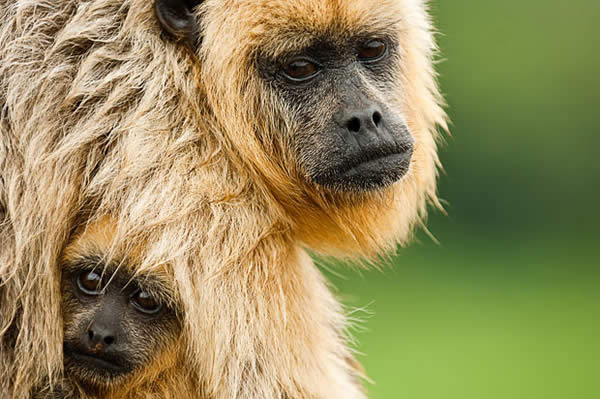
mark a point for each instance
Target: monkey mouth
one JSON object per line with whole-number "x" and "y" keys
{"x": 377, "y": 164}
{"x": 95, "y": 362}
{"x": 369, "y": 170}
{"x": 105, "y": 365}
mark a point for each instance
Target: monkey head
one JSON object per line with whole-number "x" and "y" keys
{"x": 336, "y": 89}
{"x": 348, "y": 137}
{"x": 333, "y": 104}
{"x": 117, "y": 321}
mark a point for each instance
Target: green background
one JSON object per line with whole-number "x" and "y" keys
{"x": 508, "y": 304}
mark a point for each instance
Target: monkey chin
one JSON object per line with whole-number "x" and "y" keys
{"x": 95, "y": 372}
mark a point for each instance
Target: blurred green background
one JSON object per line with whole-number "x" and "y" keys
{"x": 508, "y": 304}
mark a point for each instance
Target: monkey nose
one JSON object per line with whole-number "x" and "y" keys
{"x": 362, "y": 121}
{"x": 99, "y": 338}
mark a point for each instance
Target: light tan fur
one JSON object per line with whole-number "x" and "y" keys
{"x": 100, "y": 114}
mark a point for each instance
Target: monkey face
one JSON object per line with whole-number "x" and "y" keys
{"x": 115, "y": 322}
{"x": 113, "y": 325}
{"x": 348, "y": 135}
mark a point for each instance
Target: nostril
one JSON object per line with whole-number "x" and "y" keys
{"x": 109, "y": 340}
{"x": 354, "y": 125}
{"x": 376, "y": 118}
{"x": 90, "y": 334}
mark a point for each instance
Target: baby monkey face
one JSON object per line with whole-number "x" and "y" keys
{"x": 116, "y": 321}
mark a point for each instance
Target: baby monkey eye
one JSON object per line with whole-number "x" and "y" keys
{"x": 300, "y": 70}
{"x": 372, "y": 50}
{"x": 90, "y": 283}
{"x": 145, "y": 303}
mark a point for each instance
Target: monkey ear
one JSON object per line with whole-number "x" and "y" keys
{"x": 176, "y": 17}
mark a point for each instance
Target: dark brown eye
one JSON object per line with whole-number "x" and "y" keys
{"x": 300, "y": 70}
{"x": 372, "y": 50}
{"x": 90, "y": 283}
{"x": 145, "y": 303}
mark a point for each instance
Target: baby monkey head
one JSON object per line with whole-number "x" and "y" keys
{"x": 115, "y": 322}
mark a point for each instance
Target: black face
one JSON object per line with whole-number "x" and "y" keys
{"x": 113, "y": 324}
{"x": 349, "y": 135}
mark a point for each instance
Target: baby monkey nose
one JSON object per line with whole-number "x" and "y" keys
{"x": 100, "y": 338}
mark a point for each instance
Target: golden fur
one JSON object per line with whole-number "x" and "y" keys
{"x": 100, "y": 114}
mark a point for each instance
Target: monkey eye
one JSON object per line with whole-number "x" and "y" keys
{"x": 372, "y": 50}
{"x": 300, "y": 70}
{"x": 145, "y": 303}
{"x": 90, "y": 283}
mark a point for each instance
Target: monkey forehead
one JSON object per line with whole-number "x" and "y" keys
{"x": 98, "y": 237}
{"x": 102, "y": 247}
{"x": 283, "y": 26}
{"x": 105, "y": 239}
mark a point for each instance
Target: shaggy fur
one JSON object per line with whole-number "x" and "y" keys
{"x": 101, "y": 113}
